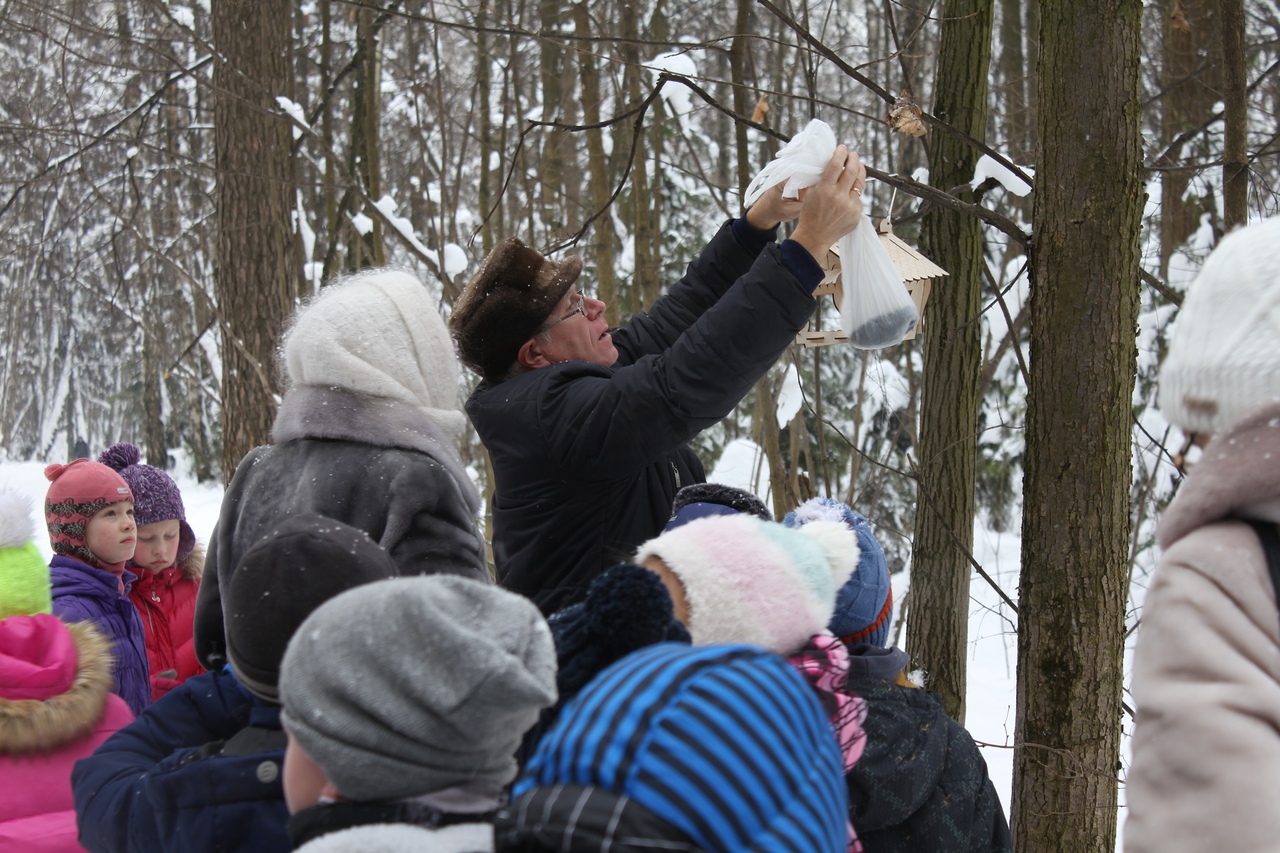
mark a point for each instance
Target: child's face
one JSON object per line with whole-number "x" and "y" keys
{"x": 679, "y": 601}
{"x": 157, "y": 545}
{"x": 303, "y": 780}
{"x": 111, "y": 534}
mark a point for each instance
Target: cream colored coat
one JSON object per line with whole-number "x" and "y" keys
{"x": 1205, "y": 774}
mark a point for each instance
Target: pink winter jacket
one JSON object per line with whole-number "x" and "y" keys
{"x": 1206, "y": 674}
{"x": 55, "y": 708}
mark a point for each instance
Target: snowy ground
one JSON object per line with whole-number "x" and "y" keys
{"x": 992, "y": 641}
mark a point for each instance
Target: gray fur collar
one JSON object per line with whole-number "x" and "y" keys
{"x": 310, "y": 411}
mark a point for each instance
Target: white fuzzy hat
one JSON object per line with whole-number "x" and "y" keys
{"x": 378, "y": 333}
{"x": 1224, "y": 359}
{"x": 757, "y": 582}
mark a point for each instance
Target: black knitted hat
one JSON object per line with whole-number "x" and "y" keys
{"x": 705, "y": 499}
{"x": 505, "y": 303}
{"x": 306, "y": 561}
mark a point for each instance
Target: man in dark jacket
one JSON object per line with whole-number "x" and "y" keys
{"x": 587, "y": 431}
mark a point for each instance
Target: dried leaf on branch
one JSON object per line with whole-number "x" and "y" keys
{"x": 760, "y": 113}
{"x": 905, "y": 116}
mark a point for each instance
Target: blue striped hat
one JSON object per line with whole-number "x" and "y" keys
{"x": 726, "y": 743}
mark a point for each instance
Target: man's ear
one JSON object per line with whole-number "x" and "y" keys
{"x": 531, "y": 356}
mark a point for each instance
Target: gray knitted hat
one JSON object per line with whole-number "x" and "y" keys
{"x": 410, "y": 686}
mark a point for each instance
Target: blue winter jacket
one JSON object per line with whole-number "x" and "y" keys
{"x": 82, "y": 593}
{"x": 199, "y": 771}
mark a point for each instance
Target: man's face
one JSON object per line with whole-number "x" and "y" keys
{"x": 578, "y": 335}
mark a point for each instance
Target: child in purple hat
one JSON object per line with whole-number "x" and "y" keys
{"x": 168, "y": 562}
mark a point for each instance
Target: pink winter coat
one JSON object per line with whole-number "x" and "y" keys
{"x": 56, "y": 707}
{"x": 1206, "y": 671}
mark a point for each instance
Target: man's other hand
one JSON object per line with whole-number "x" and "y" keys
{"x": 771, "y": 209}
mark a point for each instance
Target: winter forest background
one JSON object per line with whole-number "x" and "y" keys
{"x": 176, "y": 177}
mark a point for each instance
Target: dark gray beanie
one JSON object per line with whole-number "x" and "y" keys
{"x": 410, "y": 686}
{"x": 303, "y": 563}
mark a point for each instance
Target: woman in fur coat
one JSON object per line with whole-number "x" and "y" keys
{"x": 365, "y": 435}
{"x": 56, "y": 704}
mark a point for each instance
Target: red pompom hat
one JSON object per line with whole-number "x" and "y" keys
{"x": 77, "y": 491}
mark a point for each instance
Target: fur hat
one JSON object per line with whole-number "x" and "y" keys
{"x": 1224, "y": 358}
{"x": 77, "y": 491}
{"x": 378, "y": 333}
{"x": 414, "y": 685}
{"x": 726, "y": 743}
{"x": 703, "y": 500}
{"x": 24, "y": 575}
{"x": 864, "y": 604}
{"x": 752, "y": 581}
{"x": 155, "y": 494}
{"x": 505, "y": 303}
{"x": 303, "y": 563}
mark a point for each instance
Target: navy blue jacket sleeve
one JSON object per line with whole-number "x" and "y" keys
{"x": 724, "y": 260}
{"x": 112, "y": 810}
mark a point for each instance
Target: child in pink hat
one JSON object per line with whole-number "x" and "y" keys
{"x": 89, "y": 512}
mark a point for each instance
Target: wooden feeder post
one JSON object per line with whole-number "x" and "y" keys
{"x": 917, "y": 271}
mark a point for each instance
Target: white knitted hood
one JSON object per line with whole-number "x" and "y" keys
{"x": 379, "y": 334}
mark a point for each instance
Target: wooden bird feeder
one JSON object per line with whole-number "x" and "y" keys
{"x": 917, "y": 271}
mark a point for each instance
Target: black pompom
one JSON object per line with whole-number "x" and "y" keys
{"x": 628, "y": 608}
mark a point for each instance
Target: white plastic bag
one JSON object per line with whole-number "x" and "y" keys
{"x": 877, "y": 310}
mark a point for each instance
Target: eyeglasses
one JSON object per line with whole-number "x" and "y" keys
{"x": 579, "y": 307}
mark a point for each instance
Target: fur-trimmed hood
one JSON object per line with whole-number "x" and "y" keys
{"x": 193, "y": 566}
{"x": 31, "y": 725}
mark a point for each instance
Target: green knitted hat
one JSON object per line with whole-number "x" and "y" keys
{"x": 24, "y": 575}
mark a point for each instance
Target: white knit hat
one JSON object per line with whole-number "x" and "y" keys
{"x": 1224, "y": 359}
{"x": 753, "y": 581}
{"x": 378, "y": 333}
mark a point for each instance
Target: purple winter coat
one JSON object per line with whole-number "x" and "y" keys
{"x": 82, "y": 593}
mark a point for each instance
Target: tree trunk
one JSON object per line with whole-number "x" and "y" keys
{"x": 256, "y": 278}
{"x": 1192, "y": 85}
{"x": 638, "y": 211}
{"x": 597, "y": 173}
{"x": 1075, "y": 527}
{"x": 365, "y": 160}
{"x": 157, "y": 453}
{"x": 741, "y": 94}
{"x": 551, "y": 167}
{"x": 1235, "y": 160}
{"x": 952, "y": 365}
{"x": 1013, "y": 73}
{"x": 484, "y": 81}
